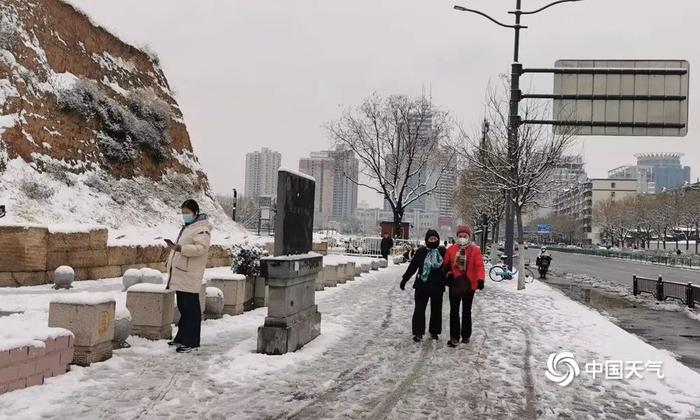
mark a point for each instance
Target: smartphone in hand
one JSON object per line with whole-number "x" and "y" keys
{"x": 169, "y": 242}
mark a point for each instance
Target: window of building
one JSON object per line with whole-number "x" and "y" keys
{"x": 612, "y": 185}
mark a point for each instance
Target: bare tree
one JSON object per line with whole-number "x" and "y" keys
{"x": 538, "y": 153}
{"x": 404, "y": 146}
{"x": 475, "y": 203}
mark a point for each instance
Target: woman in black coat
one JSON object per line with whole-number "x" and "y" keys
{"x": 429, "y": 284}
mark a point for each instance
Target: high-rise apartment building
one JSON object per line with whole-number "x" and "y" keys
{"x": 261, "y": 173}
{"x": 336, "y": 195}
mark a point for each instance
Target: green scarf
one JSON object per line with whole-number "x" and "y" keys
{"x": 433, "y": 260}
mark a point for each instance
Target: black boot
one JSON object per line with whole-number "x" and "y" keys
{"x": 452, "y": 343}
{"x": 434, "y": 336}
{"x": 417, "y": 338}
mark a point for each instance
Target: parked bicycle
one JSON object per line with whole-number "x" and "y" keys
{"x": 501, "y": 272}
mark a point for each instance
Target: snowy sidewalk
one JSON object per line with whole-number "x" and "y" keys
{"x": 365, "y": 365}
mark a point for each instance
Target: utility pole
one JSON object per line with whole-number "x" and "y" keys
{"x": 484, "y": 216}
{"x": 235, "y": 202}
{"x": 514, "y": 120}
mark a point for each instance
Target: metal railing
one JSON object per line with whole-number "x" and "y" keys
{"x": 372, "y": 246}
{"x": 688, "y": 293}
{"x": 644, "y": 285}
{"x": 670, "y": 260}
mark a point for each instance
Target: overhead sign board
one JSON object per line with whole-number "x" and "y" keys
{"x": 544, "y": 229}
{"x": 622, "y": 97}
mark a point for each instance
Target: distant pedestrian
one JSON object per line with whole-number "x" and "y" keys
{"x": 465, "y": 274}
{"x": 186, "y": 264}
{"x": 678, "y": 252}
{"x": 429, "y": 284}
{"x": 386, "y": 245}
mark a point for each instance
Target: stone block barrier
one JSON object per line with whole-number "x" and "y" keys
{"x": 233, "y": 286}
{"x": 330, "y": 275}
{"x": 91, "y": 320}
{"x": 151, "y": 308}
{"x": 341, "y": 278}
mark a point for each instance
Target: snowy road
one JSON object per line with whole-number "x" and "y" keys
{"x": 616, "y": 271}
{"x": 365, "y": 366}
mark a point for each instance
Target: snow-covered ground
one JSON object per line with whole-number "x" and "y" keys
{"x": 364, "y": 365}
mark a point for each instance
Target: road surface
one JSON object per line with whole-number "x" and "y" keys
{"x": 615, "y": 271}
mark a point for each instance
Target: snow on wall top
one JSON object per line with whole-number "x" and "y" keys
{"x": 148, "y": 288}
{"x": 82, "y": 298}
{"x": 17, "y": 330}
{"x": 222, "y": 273}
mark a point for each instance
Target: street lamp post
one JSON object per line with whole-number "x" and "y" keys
{"x": 514, "y": 120}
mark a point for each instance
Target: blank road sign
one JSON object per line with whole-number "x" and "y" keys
{"x": 623, "y": 97}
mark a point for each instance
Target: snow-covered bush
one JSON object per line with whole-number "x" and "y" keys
{"x": 246, "y": 259}
{"x": 115, "y": 151}
{"x": 151, "y": 54}
{"x": 3, "y": 156}
{"x": 8, "y": 33}
{"x": 145, "y": 104}
{"x": 58, "y": 172}
{"x": 35, "y": 190}
{"x": 144, "y": 123}
{"x": 98, "y": 181}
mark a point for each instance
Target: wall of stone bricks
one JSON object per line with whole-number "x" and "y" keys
{"x": 29, "y": 256}
{"x": 23, "y": 367}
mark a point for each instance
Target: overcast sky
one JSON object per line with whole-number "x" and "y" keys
{"x": 254, "y": 73}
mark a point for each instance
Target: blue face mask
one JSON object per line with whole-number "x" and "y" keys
{"x": 187, "y": 218}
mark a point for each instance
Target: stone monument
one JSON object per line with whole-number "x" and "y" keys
{"x": 292, "y": 316}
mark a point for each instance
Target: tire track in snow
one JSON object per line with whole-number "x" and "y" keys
{"x": 348, "y": 378}
{"x": 384, "y": 408}
{"x": 530, "y": 411}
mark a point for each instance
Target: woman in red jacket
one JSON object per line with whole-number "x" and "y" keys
{"x": 465, "y": 273}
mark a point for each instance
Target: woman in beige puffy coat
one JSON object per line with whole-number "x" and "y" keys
{"x": 186, "y": 264}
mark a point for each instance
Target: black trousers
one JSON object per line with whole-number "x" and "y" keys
{"x": 385, "y": 255}
{"x": 423, "y": 295}
{"x": 465, "y": 299}
{"x": 190, "y": 325}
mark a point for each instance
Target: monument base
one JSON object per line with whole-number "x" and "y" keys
{"x": 279, "y": 336}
